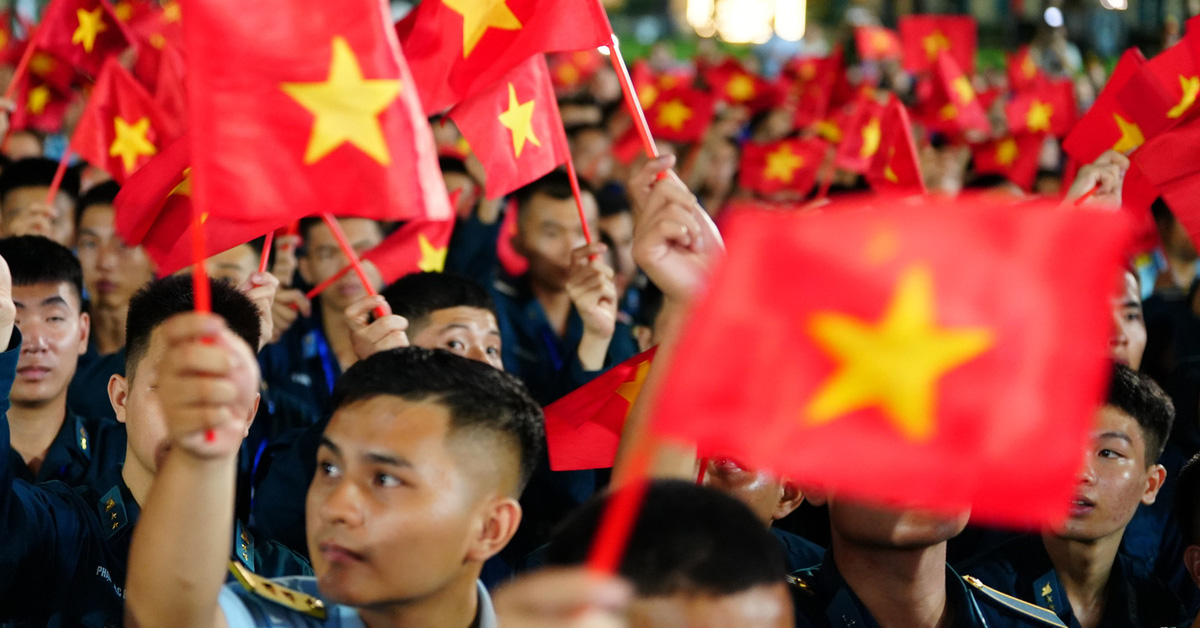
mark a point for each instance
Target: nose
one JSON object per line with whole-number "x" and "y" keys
{"x": 33, "y": 338}
{"x": 477, "y": 353}
{"x": 1087, "y": 473}
{"x": 107, "y": 259}
{"x": 343, "y": 505}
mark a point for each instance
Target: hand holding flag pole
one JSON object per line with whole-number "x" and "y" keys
{"x": 351, "y": 255}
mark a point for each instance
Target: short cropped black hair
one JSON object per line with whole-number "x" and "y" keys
{"x": 1137, "y": 395}
{"x": 35, "y": 259}
{"x": 688, "y": 539}
{"x": 36, "y": 172}
{"x": 102, "y": 194}
{"x": 417, "y": 295}
{"x": 478, "y": 397}
{"x": 1187, "y": 501}
{"x": 161, "y": 299}
{"x": 555, "y": 184}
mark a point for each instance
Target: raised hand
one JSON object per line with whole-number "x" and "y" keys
{"x": 592, "y": 289}
{"x": 288, "y": 305}
{"x": 1106, "y": 175}
{"x": 674, "y": 240}
{"x": 261, "y": 289}
{"x": 386, "y": 332}
{"x": 8, "y": 310}
{"x": 563, "y": 598}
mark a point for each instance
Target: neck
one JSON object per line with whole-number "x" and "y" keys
{"x": 453, "y": 606}
{"x": 1083, "y": 568}
{"x": 904, "y": 587}
{"x": 108, "y": 328}
{"x": 33, "y": 428}
{"x": 137, "y": 478}
{"x": 556, "y": 303}
{"x": 337, "y": 333}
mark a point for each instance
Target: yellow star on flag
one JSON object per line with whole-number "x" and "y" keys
{"x": 870, "y": 139}
{"x": 894, "y": 365}
{"x": 130, "y": 142}
{"x": 37, "y": 100}
{"x": 1131, "y": 135}
{"x": 567, "y": 74}
{"x": 91, "y": 24}
{"x": 172, "y": 12}
{"x": 346, "y": 107}
{"x": 1038, "y": 118}
{"x": 42, "y": 64}
{"x": 962, "y": 87}
{"x": 480, "y": 15}
{"x": 433, "y": 259}
{"x": 888, "y": 173}
{"x": 782, "y": 164}
{"x": 934, "y": 43}
{"x": 123, "y": 10}
{"x": 1028, "y": 67}
{"x": 674, "y": 114}
{"x": 630, "y": 390}
{"x": 185, "y": 186}
{"x": 519, "y": 119}
{"x": 1006, "y": 152}
{"x": 1190, "y": 86}
{"x": 948, "y": 111}
{"x": 829, "y": 130}
{"x": 740, "y": 88}
{"x": 880, "y": 41}
{"x": 647, "y": 94}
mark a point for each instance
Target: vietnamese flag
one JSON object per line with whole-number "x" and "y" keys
{"x": 783, "y": 166}
{"x": 47, "y": 69}
{"x": 932, "y": 379}
{"x": 876, "y": 43}
{"x": 862, "y": 136}
{"x": 583, "y": 428}
{"x": 734, "y": 84}
{"x": 953, "y": 106}
{"x": 1171, "y": 162}
{"x": 1023, "y": 72}
{"x": 680, "y": 114}
{"x": 924, "y": 37}
{"x": 514, "y": 127}
{"x": 417, "y": 246}
{"x": 154, "y": 210}
{"x": 1107, "y": 125}
{"x": 82, "y": 33}
{"x": 570, "y": 70}
{"x": 813, "y": 80}
{"x": 121, "y": 128}
{"x": 1048, "y": 108}
{"x": 457, "y": 48}
{"x": 40, "y": 106}
{"x": 1013, "y": 157}
{"x": 895, "y": 168}
{"x": 321, "y": 116}
{"x": 510, "y": 260}
{"x": 1164, "y": 90}
{"x": 171, "y": 94}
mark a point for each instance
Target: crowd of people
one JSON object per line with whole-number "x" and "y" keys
{"x": 376, "y": 455}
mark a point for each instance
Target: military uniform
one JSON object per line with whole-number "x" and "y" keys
{"x": 823, "y": 599}
{"x": 254, "y": 602}
{"x": 87, "y": 394}
{"x": 65, "y": 550}
{"x": 799, "y": 552}
{"x": 81, "y": 451}
{"x": 1022, "y": 568}
{"x": 302, "y": 364}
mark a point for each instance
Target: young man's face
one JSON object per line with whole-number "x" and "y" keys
{"x": 467, "y": 331}
{"x": 765, "y": 606}
{"x": 234, "y": 266}
{"x": 619, "y": 228}
{"x": 548, "y": 230}
{"x": 61, "y": 226}
{"x": 1115, "y": 479}
{"x": 592, "y": 152}
{"x": 882, "y": 528}
{"x": 323, "y": 258}
{"x": 398, "y": 506}
{"x": 767, "y": 496}
{"x": 112, "y": 272}
{"x": 1128, "y": 342}
{"x": 54, "y": 334}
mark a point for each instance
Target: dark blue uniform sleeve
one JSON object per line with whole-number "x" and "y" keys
{"x": 472, "y": 251}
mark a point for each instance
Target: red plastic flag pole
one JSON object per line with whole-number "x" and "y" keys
{"x": 22, "y": 65}
{"x": 266, "y": 254}
{"x": 319, "y": 288}
{"x": 621, "y": 513}
{"x": 587, "y": 233}
{"x": 1089, "y": 194}
{"x": 56, "y": 182}
{"x": 351, "y": 255}
{"x": 631, "y": 99}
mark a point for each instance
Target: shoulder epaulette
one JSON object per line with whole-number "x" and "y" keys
{"x": 1026, "y": 609}
{"x": 796, "y": 582}
{"x": 289, "y": 598}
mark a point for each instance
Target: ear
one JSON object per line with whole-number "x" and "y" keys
{"x": 85, "y": 332}
{"x": 1191, "y": 561}
{"x": 118, "y": 393}
{"x": 1154, "y": 481}
{"x": 815, "y": 496}
{"x": 497, "y": 527}
{"x": 253, "y": 414}
{"x": 790, "y": 498}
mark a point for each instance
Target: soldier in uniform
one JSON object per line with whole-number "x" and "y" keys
{"x": 49, "y": 442}
{"x": 418, "y": 476}
{"x": 64, "y": 556}
{"x": 1078, "y": 570}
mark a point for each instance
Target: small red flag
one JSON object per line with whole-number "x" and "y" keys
{"x": 922, "y": 367}
{"x": 511, "y": 261}
{"x": 953, "y": 106}
{"x": 121, "y": 128}
{"x": 1164, "y": 91}
{"x": 895, "y": 168}
{"x": 924, "y": 37}
{"x": 40, "y": 106}
{"x": 862, "y": 136}
{"x": 318, "y": 117}
{"x": 680, "y": 114}
{"x": 876, "y": 43}
{"x": 583, "y": 429}
{"x": 571, "y": 70}
{"x": 1047, "y": 108}
{"x": 514, "y": 127}
{"x": 784, "y": 166}
{"x": 417, "y": 246}
{"x": 1171, "y": 162}
{"x": 457, "y": 48}
{"x": 171, "y": 95}
{"x": 1013, "y": 157}
{"x": 82, "y": 33}
{"x": 813, "y": 80}
{"x": 1023, "y": 71}
{"x": 734, "y": 84}
{"x": 1107, "y": 125}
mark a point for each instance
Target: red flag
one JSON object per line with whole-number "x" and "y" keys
{"x": 876, "y": 43}
{"x": 680, "y": 114}
{"x": 918, "y": 369}
{"x": 734, "y": 84}
{"x": 783, "y": 166}
{"x": 154, "y": 210}
{"x": 924, "y": 37}
{"x": 1048, "y": 108}
{"x": 321, "y": 116}
{"x": 46, "y": 69}
{"x": 1107, "y": 125}
{"x": 570, "y": 70}
{"x": 511, "y": 261}
{"x": 514, "y": 127}
{"x": 1023, "y": 72}
{"x": 861, "y": 137}
{"x": 1164, "y": 91}
{"x": 171, "y": 95}
{"x": 82, "y": 33}
{"x": 952, "y": 106}
{"x": 122, "y": 128}
{"x": 812, "y": 81}
{"x": 1171, "y": 162}
{"x": 895, "y": 169}
{"x": 458, "y": 47}
{"x": 583, "y": 429}
{"x": 417, "y": 246}
{"x": 40, "y": 106}
{"x": 1014, "y": 157}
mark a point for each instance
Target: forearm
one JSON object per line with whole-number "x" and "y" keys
{"x": 180, "y": 550}
{"x": 593, "y": 350}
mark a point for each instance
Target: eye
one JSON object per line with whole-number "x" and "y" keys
{"x": 456, "y": 344}
{"x": 493, "y": 350}
{"x": 387, "y": 480}
{"x": 1108, "y": 453}
{"x": 328, "y": 469}
{"x": 56, "y": 319}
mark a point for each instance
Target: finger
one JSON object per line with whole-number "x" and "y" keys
{"x": 358, "y": 313}
{"x": 381, "y": 328}
{"x": 648, "y": 173}
{"x": 1113, "y": 158}
{"x": 200, "y": 392}
{"x": 191, "y": 326}
{"x": 561, "y": 591}
{"x": 587, "y": 251}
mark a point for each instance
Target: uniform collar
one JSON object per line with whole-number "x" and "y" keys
{"x": 117, "y": 508}
{"x": 845, "y": 610}
{"x": 72, "y": 446}
{"x": 1120, "y": 595}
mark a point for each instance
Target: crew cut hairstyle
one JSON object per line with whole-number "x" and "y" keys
{"x": 688, "y": 539}
{"x": 36, "y": 172}
{"x": 1137, "y": 395}
{"x": 417, "y": 295}
{"x": 555, "y": 184}
{"x": 479, "y": 398}
{"x": 35, "y": 259}
{"x": 161, "y": 299}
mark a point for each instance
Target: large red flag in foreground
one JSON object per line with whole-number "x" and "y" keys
{"x": 306, "y": 106}
{"x": 458, "y": 47}
{"x": 897, "y": 343}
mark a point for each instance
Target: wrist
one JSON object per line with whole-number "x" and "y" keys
{"x": 593, "y": 350}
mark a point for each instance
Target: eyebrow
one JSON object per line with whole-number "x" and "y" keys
{"x": 491, "y": 332}
{"x": 54, "y": 300}
{"x": 1117, "y": 435}
{"x": 371, "y": 456}
{"x": 1132, "y": 303}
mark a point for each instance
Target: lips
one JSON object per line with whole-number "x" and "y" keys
{"x": 1081, "y": 506}
{"x": 33, "y": 373}
{"x": 105, "y": 286}
{"x": 338, "y": 554}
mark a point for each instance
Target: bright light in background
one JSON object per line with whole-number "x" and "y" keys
{"x": 789, "y": 19}
{"x": 747, "y": 21}
{"x": 1053, "y": 17}
{"x": 1116, "y": 5}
